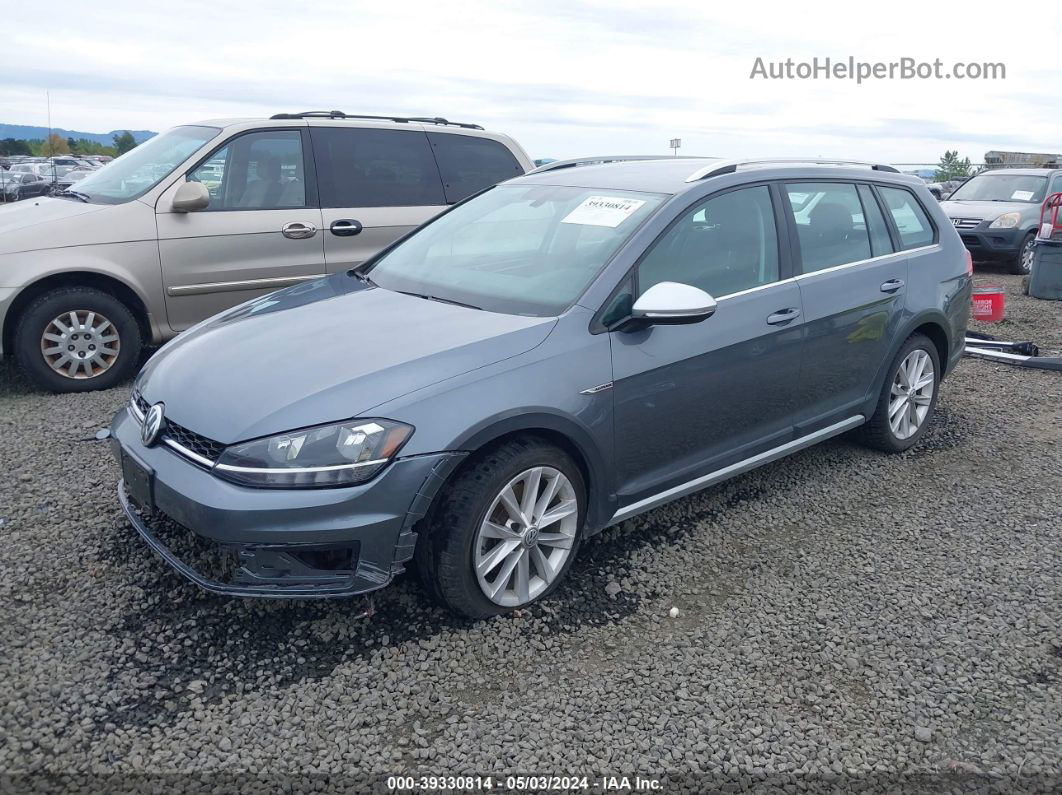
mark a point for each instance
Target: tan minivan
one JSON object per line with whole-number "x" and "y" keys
{"x": 208, "y": 215}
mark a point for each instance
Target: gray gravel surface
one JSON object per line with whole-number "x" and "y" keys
{"x": 846, "y": 620}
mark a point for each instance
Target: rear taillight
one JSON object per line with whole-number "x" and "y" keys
{"x": 969, "y": 263}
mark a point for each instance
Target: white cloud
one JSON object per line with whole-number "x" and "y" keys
{"x": 564, "y": 78}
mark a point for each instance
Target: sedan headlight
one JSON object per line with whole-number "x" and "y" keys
{"x": 343, "y": 454}
{"x": 1006, "y": 221}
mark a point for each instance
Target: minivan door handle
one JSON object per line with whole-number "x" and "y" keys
{"x": 783, "y": 316}
{"x": 298, "y": 230}
{"x": 892, "y": 285}
{"x": 345, "y": 227}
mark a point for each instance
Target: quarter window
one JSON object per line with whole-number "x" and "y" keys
{"x": 911, "y": 220}
{"x": 257, "y": 171}
{"x": 358, "y": 167}
{"x": 830, "y": 223}
{"x": 469, "y": 164}
{"x": 724, "y": 245}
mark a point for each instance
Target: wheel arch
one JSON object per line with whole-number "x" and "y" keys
{"x": 933, "y": 324}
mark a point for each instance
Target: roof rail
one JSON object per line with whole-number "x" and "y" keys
{"x": 596, "y": 161}
{"x": 338, "y": 114}
{"x": 730, "y": 166}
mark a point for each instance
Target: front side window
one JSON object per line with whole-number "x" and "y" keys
{"x": 830, "y": 224}
{"x": 141, "y": 169}
{"x": 257, "y": 171}
{"x": 359, "y": 167}
{"x": 518, "y": 249}
{"x": 469, "y": 164}
{"x": 724, "y": 245}
{"x": 911, "y": 220}
{"x": 1002, "y": 188}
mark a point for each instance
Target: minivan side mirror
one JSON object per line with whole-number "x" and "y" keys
{"x": 672, "y": 304}
{"x": 191, "y": 196}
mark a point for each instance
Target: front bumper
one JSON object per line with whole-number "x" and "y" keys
{"x": 985, "y": 243}
{"x": 278, "y": 543}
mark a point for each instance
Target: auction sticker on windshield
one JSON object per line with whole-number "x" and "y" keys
{"x": 1022, "y": 195}
{"x": 603, "y": 211}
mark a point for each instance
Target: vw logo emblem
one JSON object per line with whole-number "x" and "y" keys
{"x": 530, "y": 537}
{"x": 152, "y": 427}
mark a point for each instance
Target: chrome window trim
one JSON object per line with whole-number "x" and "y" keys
{"x": 274, "y": 470}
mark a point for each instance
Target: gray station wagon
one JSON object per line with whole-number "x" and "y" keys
{"x": 552, "y": 356}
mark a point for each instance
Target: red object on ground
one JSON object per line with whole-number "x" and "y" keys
{"x": 1049, "y": 223}
{"x": 988, "y": 303}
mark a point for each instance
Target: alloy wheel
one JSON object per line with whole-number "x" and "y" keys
{"x": 526, "y": 537}
{"x": 1027, "y": 254}
{"x": 912, "y": 394}
{"x": 80, "y": 344}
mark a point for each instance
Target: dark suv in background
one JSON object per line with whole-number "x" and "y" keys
{"x": 559, "y": 353}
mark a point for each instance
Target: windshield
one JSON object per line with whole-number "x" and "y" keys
{"x": 518, "y": 249}
{"x": 140, "y": 169}
{"x": 1002, "y": 188}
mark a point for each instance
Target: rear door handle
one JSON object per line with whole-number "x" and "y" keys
{"x": 783, "y": 316}
{"x": 345, "y": 227}
{"x": 892, "y": 285}
{"x": 298, "y": 230}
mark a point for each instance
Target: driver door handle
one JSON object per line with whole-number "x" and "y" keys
{"x": 298, "y": 230}
{"x": 783, "y": 316}
{"x": 892, "y": 285}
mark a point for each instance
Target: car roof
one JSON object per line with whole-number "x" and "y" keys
{"x": 1035, "y": 172}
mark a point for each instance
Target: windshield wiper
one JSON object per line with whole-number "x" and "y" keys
{"x": 362, "y": 277}
{"x": 440, "y": 300}
{"x": 73, "y": 194}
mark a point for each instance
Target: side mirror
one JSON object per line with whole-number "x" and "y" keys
{"x": 672, "y": 304}
{"x": 191, "y": 196}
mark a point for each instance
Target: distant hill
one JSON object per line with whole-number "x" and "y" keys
{"x": 31, "y": 133}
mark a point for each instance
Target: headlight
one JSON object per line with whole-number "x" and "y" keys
{"x": 330, "y": 455}
{"x": 1006, "y": 221}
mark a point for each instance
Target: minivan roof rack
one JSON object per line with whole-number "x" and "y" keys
{"x": 338, "y": 114}
{"x": 596, "y": 161}
{"x": 730, "y": 166}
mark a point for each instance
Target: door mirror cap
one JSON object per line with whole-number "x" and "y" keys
{"x": 672, "y": 304}
{"x": 191, "y": 196}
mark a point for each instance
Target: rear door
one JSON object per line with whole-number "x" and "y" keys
{"x": 260, "y": 232}
{"x": 376, "y": 185}
{"x": 852, "y": 277}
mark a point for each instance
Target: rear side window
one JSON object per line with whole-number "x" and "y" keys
{"x": 375, "y": 168}
{"x": 830, "y": 224}
{"x": 469, "y": 164}
{"x": 880, "y": 242}
{"x": 911, "y": 220}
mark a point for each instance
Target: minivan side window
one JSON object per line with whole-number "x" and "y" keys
{"x": 469, "y": 164}
{"x": 911, "y": 220}
{"x": 257, "y": 171}
{"x": 724, "y": 245}
{"x": 360, "y": 167}
{"x": 830, "y": 223}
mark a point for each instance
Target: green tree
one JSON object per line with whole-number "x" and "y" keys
{"x": 14, "y": 146}
{"x": 124, "y": 142}
{"x": 951, "y": 167}
{"x": 55, "y": 145}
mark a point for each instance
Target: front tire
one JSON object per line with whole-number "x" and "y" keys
{"x": 1022, "y": 263}
{"x": 908, "y": 397}
{"x": 77, "y": 339}
{"x": 505, "y": 531}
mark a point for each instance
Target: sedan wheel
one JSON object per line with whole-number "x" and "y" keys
{"x": 912, "y": 394}
{"x": 80, "y": 344}
{"x": 526, "y": 537}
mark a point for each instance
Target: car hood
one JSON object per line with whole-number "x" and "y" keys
{"x": 21, "y": 222}
{"x": 988, "y": 211}
{"x": 320, "y": 352}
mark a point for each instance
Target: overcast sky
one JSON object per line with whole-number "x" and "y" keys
{"x": 565, "y": 78}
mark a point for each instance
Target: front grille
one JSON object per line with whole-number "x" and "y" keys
{"x": 189, "y": 440}
{"x": 966, "y": 223}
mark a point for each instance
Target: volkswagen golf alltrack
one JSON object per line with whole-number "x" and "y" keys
{"x": 554, "y": 355}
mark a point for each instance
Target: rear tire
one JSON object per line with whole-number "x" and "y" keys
{"x": 77, "y": 339}
{"x": 905, "y": 409}
{"x": 454, "y": 539}
{"x": 1021, "y": 265}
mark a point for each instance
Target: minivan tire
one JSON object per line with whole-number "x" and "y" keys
{"x": 445, "y": 552}
{"x": 34, "y": 323}
{"x": 877, "y": 432}
{"x": 1019, "y": 265}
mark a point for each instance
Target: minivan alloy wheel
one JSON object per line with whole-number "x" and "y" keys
{"x": 912, "y": 394}
{"x": 526, "y": 536}
{"x": 80, "y": 344}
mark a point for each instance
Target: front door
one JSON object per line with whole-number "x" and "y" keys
{"x": 261, "y": 231}
{"x": 692, "y": 399}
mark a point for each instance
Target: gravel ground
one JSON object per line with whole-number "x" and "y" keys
{"x": 846, "y": 621}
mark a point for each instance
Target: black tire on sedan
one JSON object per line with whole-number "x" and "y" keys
{"x": 77, "y": 339}
{"x": 505, "y": 531}
{"x": 908, "y": 397}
